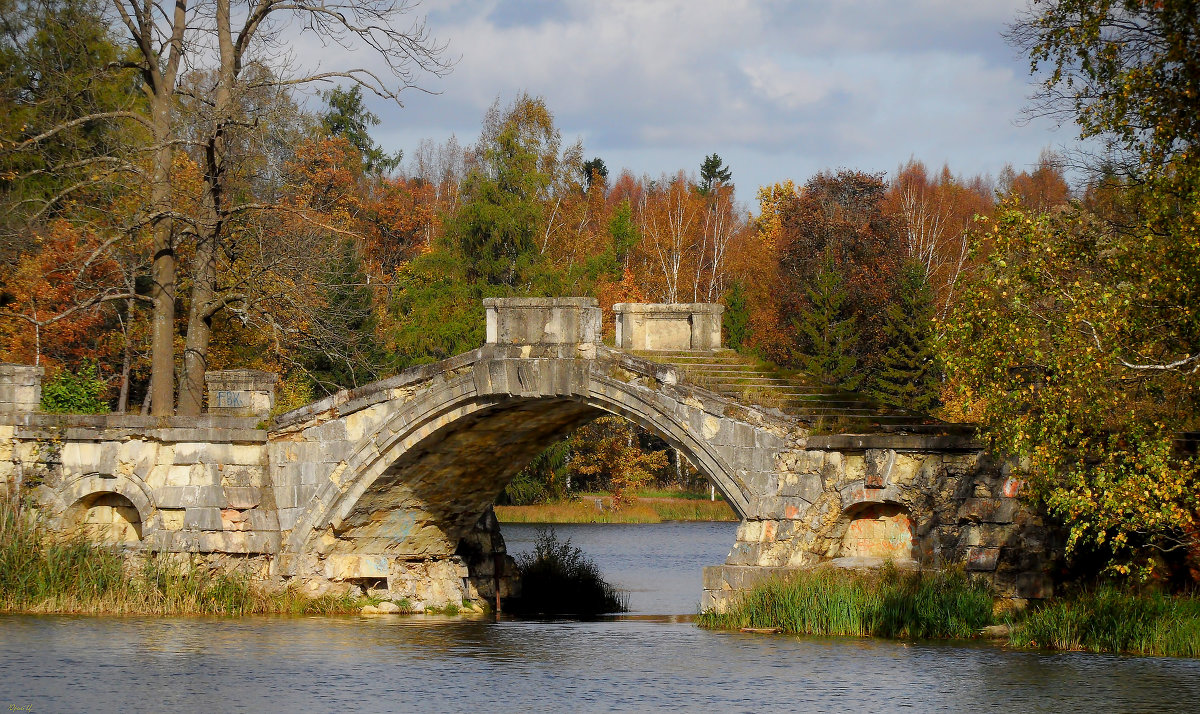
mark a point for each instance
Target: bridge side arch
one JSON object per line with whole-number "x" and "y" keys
{"x": 522, "y": 405}
{"x": 69, "y": 499}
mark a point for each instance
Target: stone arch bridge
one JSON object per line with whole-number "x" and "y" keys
{"x": 391, "y": 485}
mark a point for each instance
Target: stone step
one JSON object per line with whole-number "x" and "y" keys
{"x": 739, "y": 377}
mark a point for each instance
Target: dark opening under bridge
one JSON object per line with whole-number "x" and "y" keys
{"x": 394, "y": 482}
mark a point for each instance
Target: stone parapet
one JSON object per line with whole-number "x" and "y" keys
{"x": 668, "y": 326}
{"x": 20, "y": 387}
{"x": 241, "y": 392}
{"x": 542, "y": 321}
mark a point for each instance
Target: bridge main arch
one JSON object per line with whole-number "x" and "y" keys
{"x": 423, "y": 456}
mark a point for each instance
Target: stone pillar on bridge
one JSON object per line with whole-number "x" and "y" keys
{"x": 542, "y": 321}
{"x": 241, "y": 392}
{"x": 669, "y": 327}
{"x": 20, "y": 387}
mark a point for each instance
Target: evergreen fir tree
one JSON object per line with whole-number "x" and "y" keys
{"x": 828, "y": 331}
{"x": 737, "y": 316}
{"x": 909, "y": 373}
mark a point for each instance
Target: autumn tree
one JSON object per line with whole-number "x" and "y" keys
{"x": 222, "y": 44}
{"x": 938, "y": 212}
{"x": 669, "y": 215}
{"x": 840, "y": 223}
{"x": 608, "y": 450}
{"x": 1078, "y": 338}
{"x": 1039, "y": 190}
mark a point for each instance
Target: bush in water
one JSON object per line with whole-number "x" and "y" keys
{"x": 558, "y": 579}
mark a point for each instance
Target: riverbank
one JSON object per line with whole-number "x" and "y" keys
{"x": 599, "y": 509}
{"x": 42, "y": 572}
{"x": 948, "y": 605}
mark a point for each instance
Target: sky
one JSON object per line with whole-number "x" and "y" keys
{"x": 780, "y": 90}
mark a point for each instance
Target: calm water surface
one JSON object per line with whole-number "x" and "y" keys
{"x": 651, "y": 659}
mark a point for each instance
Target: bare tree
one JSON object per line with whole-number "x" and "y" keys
{"x": 226, "y": 39}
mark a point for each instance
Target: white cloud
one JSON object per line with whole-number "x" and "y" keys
{"x": 780, "y": 89}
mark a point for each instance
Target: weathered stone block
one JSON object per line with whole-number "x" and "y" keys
{"x": 286, "y": 496}
{"x": 262, "y": 520}
{"x": 287, "y": 518}
{"x": 542, "y": 321}
{"x": 831, "y": 467}
{"x": 987, "y": 510}
{"x": 202, "y": 519}
{"x": 879, "y": 466}
{"x": 172, "y": 519}
{"x": 20, "y": 387}
{"x": 343, "y": 567}
{"x": 662, "y": 326}
{"x": 241, "y": 392}
{"x": 805, "y": 486}
{"x": 240, "y": 476}
{"x": 81, "y": 457}
{"x": 189, "y": 497}
{"x": 982, "y": 558}
{"x": 242, "y": 497}
{"x": 1012, "y": 487}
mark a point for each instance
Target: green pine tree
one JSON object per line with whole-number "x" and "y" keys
{"x": 910, "y": 374}
{"x": 828, "y": 331}
{"x": 737, "y": 316}
{"x": 349, "y": 117}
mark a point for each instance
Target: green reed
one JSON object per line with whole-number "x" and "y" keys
{"x": 884, "y": 603}
{"x": 1108, "y": 620}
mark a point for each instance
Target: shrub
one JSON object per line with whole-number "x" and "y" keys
{"x": 558, "y": 579}
{"x": 80, "y": 392}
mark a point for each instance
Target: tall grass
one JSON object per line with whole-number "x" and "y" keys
{"x": 558, "y": 579}
{"x": 885, "y": 603}
{"x": 585, "y": 510}
{"x": 46, "y": 572}
{"x": 1106, "y": 620}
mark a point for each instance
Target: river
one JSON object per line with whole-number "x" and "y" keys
{"x": 651, "y": 659}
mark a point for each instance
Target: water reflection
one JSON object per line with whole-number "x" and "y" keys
{"x": 406, "y": 664}
{"x": 632, "y": 663}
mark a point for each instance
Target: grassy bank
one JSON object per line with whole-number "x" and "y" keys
{"x": 1107, "y": 620}
{"x": 598, "y": 509}
{"x": 889, "y": 603}
{"x": 885, "y": 603}
{"x": 41, "y": 572}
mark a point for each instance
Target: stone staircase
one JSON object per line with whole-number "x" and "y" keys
{"x": 794, "y": 393}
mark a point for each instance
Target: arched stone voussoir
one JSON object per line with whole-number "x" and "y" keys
{"x": 856, "y": 493}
